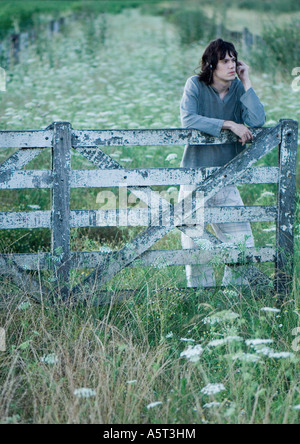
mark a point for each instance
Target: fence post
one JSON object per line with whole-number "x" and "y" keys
{"x": 286, "y": 193}
{"x": 60, "y": 240}
{"x": 247, "y": 40}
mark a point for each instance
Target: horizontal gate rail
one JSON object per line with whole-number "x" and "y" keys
{"x": 26, "y": 139}
{"x": 130, "y": 177}
{"x": 150, "y": 137}
{"x": 156, "y": 258}
{"x": 158, "y": 214}
{"x": 133, "y": 217}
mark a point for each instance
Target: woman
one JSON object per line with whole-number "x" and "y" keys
{"x": 214, "y": 100}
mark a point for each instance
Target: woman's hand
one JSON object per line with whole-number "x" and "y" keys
{"x": 239, "y": 129}
{"x": 242, "y": 131}
{"x": 242, "y": 71}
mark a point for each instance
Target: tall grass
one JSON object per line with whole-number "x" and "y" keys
{"x": 280, "y": 50}
{"x": 193, "y": 26}
{"x": 130, "y": 354}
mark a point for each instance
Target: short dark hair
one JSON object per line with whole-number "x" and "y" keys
{"x": 216, "y": 50}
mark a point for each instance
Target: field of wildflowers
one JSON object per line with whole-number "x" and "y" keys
{"x": 167, "y": 356}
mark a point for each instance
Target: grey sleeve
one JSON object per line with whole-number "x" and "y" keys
{"x": 253, "y": 113}
{"x": 189, "y": 116}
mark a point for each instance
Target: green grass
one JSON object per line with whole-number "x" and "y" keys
{"x": 129, "y": 354}
{"x": 21, "y": 15}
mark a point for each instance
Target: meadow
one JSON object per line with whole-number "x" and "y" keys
{"x": 164, "y": 356}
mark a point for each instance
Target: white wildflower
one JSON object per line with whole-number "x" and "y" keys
{"x": 216, "y": 343}
{"x": 193, "y": 354}
{"x": 170, "y": 335}
{"x": 219, "y": 342}
{"x": 213, "y": 389}
{"x": 49, "y": 359}
{"x": 105, "y": 249}
{"x": 222, "y": 316}
{"x": 255, "y": 342}
{"x": 270, "y": 310}
{"x": 211, "y": 405}
{"x": 230, "y": 293}
{"x": 266, "y": 351}
{"x": 187, "y": 340}
{"x": 84, "y": 393}
{"x": 245, "y": 357}
{"x": 133, "y": 381}
{"x": 281, "y": 355}
{"x": 153, "y": 404}
{"x": 170, "y": 157}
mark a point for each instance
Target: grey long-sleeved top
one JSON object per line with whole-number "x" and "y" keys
{"x": 202, "y": 108}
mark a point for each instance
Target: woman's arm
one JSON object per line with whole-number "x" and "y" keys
{"x": 253, "y": 113}
{"x": 189, "y": 116}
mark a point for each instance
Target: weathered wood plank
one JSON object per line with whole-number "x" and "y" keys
{"x": 164, "y": 258}
{"x": 26, "y": 179}
{"x": 25, "y": 219}
{"x": 31, "y": 179}
{"x": 133, "y": 217}
{"x": 286, "y": 206}
{"x": 115, "y": 262}
{"x": 155, "y": 258}
{"x": 148, "y": 137}
{"x": 61, "y": 165}
{"x": 162, "y": 176}
{"x": 26, "y": 139}
{"x": 140, "y": 217}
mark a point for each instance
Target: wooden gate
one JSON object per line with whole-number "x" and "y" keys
{"x": 61, "y": 138}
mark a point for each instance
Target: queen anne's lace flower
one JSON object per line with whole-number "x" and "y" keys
{"x": 213, "y": 389}
{"x": 270, "y": 310}
{"x": 49, "y": 359}
{"x": 84, "y": 393}
{"x": 153, "y": 404}
{"x": 193, "y": 354}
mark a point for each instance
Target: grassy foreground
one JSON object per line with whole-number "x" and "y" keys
{"x": 172, "y": 357}
{"x": 166, "y": 349}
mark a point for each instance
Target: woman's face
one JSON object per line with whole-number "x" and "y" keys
{"x": 226, "y": 69}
